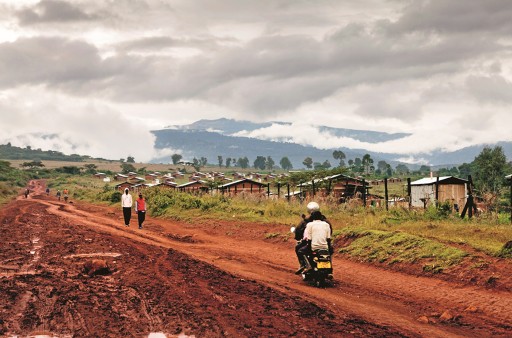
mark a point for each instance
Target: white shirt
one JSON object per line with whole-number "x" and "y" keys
{"x": 318, "y": 232}
{"x": 126, "y": 201}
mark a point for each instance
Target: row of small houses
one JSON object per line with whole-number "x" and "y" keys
{"x": 157, "y": 177}
{"x": 422, "y": 192}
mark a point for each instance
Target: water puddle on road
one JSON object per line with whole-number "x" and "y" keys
{"x": 94, "y": 254}
{"x": 162, "y": 335}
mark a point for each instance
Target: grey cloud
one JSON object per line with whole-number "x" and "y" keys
{"x": 265, "y": 75}
{"x": 48, "y": 61}
{"x": 468, "y": 16}
{"x": 490, "y": 89}
{"x": 52, "y": 11}
{"x": 158, "y": 43}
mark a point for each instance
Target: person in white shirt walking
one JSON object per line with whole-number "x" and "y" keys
{"x": 127, "y": 202}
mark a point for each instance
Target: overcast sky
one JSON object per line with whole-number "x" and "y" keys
{"x": 94, "y": 77}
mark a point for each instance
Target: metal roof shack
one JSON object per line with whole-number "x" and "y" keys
{"x": 244, "y": 185}
{"x": 120, "y": 177}
{"x": 167, "y": 184}
{"x": 124, "y": 185}
{"x": 341, "y": 186}
{"x": 194, "y": 186}
{"x": 428, "y": 190}
{"x": 100, "y": 175}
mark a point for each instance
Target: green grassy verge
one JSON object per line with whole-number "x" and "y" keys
{"x": 398, "y": 247}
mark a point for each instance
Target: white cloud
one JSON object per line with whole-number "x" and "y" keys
{"x": 86, "y": 127}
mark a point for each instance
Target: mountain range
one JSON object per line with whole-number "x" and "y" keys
{"x": 221, "y": 137}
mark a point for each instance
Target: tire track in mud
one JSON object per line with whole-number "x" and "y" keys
{"x": 363, "y": 291}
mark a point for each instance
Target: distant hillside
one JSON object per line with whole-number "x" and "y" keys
{"x": 466, "y": 155}
{"x": 211, "y": 138}
{"x": 230, "y": 127}
{"x": 9, "y": 152}
{"x": 207, "y": 144}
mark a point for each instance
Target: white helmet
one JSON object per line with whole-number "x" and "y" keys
{"x": 313, "y": 206}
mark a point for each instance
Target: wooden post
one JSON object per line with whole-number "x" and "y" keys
{"x": 313, "y": 183}
{"x": 364, "y": 193}
{"x": 329, "y": 187}
{"x": 288, "y": 190}
{"x": 386, "y": 192}
{"x": 278, "y": 190}
{"x": 437, "y": 192}
{"x": 268, "y": 189}
{"x": 409, "y": 191}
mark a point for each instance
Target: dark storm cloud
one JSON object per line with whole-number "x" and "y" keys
{"x": 52, "y": 11}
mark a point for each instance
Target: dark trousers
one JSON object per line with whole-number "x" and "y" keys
{"x": 301, "y": 249}
{"x": 127, "y": 213}
{"x": 141, "y": 216}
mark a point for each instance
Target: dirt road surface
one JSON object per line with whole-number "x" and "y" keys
{"x": 75, "y": 270}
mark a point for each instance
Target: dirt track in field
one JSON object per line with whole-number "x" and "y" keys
{"x": 221, "y": 279}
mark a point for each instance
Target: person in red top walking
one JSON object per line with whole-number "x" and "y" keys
{"x": 140, "y": 210}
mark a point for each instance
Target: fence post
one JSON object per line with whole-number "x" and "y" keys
{"x": 288, "y": 188}
{"x": 278, "y": 190}
{"x": 437, "y": 192}
{"x": 268, "y": 189}
{"x": 409, "y": 191}
{"x": 386, "y": 192}
{"x": 364, "y": 192}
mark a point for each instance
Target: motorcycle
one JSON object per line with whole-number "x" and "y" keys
{"x": 318, "y": 267}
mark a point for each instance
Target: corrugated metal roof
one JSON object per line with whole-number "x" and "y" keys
{"x": 240, "y": 181}
{"x": 433, "y": 180}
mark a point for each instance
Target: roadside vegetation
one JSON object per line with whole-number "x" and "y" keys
{"x": 436, "y": 238}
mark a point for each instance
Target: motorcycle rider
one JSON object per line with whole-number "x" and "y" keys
{"x": 301, "y": 242}
{"x": 318, "y": 233}
{"x": 303, "y": 248}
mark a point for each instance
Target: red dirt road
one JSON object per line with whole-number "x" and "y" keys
{"x": 221, "y": 279}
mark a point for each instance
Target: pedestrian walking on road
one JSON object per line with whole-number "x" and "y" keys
{"x": 27, "y": 192}
{"x": 126, "y": 202}
{"x": 58, "y": 195}
{"x": 140, "y": 209}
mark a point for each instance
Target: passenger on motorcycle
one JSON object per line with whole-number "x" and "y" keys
{"x": 318, "y": 233}
{"x": 303, "y": 248}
